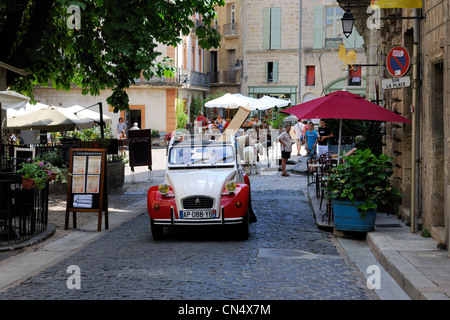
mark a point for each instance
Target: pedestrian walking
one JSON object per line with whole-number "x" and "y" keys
{"x": 298, "y": 130}
{"x": 324, "y": 135}
{"x": 311, "y": 140}
{"x": 286, "y": 148}
{"x": 121, "y": 126}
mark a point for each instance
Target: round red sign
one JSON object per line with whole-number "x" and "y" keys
{"x": 398, "y": 61}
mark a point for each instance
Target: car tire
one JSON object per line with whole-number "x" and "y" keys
{"x": 157, "y": 231}
{"x": 242, "y": 230}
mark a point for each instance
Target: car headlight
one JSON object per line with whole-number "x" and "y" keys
{"x": 163, "y": 188}
{"x": 230, "y": 186}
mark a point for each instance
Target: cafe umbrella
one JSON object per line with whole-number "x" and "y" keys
{"x": 232, "y": 101}
{"x": 344, "y": 105}
{"x": 51, "y": 119}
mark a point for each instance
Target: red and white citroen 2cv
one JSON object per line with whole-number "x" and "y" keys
{"x": 204, "y": 186}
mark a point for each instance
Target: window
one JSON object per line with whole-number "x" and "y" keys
{"x": 272, "y": 72}
{"x": 354, "y": 76}
{"x": 216, "y": 23}
{"x": 233, "y": 17}
{"x": 272, "y": 28}
{"x": 333, "y": 26}
{"x": 310, "y": 75}
{"x": 193, "y": 58}
{"x": 328, "y": 29}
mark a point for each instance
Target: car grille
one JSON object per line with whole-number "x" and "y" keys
{"x": 198, "y": 202}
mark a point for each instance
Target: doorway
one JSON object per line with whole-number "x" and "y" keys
{"x": 135, "y": 114}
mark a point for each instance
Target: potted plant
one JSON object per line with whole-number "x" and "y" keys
{"x": 53, "y": 157}
{"x": 155, "y": 137}
{"x": 36, "y": 173}
{"x": 357, "y": 187}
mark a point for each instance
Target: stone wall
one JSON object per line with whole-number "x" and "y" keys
{"x": 434, "y": 118}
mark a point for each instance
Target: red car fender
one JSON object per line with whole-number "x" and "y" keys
{"x": 229, "y": 202}
{"x": 154, "y": 197}
{"x": 246, "y": 180}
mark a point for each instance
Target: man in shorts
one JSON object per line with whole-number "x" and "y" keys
{"x": 286, "y": 149}
{"x": 311, "y": 140}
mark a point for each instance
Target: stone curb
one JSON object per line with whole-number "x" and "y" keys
{"x": 44, "y": 235}
{"x": 412, "y": 281}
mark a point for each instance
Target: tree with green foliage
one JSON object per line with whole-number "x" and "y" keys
{"x": 182, "y": 116}
{"x": 97, "y": 44}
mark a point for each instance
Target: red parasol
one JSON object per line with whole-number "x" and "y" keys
{"x": 343, "y": 105}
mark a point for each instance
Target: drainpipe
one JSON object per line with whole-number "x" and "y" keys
{"x": 415, "y": 114}
{"x": 300, "y": 55}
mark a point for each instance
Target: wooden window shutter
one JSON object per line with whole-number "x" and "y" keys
{"x": 310, "y": 75}
{"x": 266, "y": 28}
{"x": 275, "y": 72}
{"x": 318, "y": 27}
{"x": 275, "y": 28}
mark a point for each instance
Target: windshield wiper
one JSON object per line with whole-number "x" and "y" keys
{"x": 224, "y": 158}
{"x": 194, "y": 161}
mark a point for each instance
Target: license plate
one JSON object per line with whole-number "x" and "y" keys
{"x": 197, "y": 214}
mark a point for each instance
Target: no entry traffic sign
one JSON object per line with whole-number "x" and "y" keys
{"x": 398, "y": 61}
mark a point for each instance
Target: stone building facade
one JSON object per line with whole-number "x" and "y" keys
{"x": 224, "y": 64}
{"x": 290, "y": 49}
{"x": 425, "y": 143}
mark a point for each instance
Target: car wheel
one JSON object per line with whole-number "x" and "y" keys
{"x": 157, "y": 231}
{"x": 242, "y": 230}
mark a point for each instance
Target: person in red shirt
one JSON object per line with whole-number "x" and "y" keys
{"x": 226, "y": 123}
{"x": 200, "y": 122}
{"x": 201, "y": 118}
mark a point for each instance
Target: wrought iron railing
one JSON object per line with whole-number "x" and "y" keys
{"x": 182, "y": 77}
{"x": 214, "y": 77}
{"x": 230, "y": 76}
{"x": 230, "y": 29}
{"x": 23, "y": 213}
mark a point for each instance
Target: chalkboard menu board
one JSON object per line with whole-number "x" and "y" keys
{"x": 140, "y": 148}
{"x": 87, "y": 185}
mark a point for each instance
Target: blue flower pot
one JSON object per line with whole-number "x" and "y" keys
{"x": 348, "y": 218}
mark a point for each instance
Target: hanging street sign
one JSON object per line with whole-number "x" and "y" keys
{"x": 391, "y": 4}
{"x": 398, "y": 61}
{"x": 396, "y": 83}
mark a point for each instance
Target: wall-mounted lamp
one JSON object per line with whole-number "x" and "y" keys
{"x": 347, "y": 23}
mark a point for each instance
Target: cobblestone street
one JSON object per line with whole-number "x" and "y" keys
{"x": 286, "y": 256}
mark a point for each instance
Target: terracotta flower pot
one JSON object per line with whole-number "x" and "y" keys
{"x": 28, "y": 183}
{"x": 52, "y": 176}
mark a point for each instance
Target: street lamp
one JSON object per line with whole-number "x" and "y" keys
{"x": 347, "y": 23}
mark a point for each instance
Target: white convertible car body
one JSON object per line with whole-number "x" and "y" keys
{"x": 204, "y": 185}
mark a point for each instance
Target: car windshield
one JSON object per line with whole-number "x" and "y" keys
{"x": 205, "y": 155}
